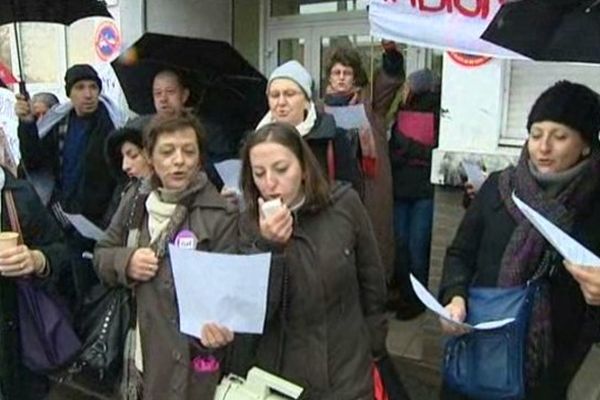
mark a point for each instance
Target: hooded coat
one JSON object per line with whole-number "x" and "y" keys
{"x": 325, "y": 313}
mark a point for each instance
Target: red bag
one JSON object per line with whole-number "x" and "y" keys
{"x": 379, "y": 392}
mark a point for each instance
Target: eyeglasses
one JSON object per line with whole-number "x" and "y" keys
{"x": 288, "y": 94}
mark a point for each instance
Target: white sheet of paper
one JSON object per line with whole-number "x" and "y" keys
{"x": 349, "y": 117}
{"x": 84, "y": 226}
{"x": 431, "y": 303}
{"x": 229, "y": 171}
{"x": 475, "y": 174}
{"x": 228, "y": 289}
{"x": 568, "y": 247}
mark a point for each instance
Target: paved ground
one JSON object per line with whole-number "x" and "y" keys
{"x": 405, "y": 344}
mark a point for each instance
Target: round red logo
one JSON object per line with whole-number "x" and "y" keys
{"x": 468, "y": 60}
{"x": 107, "y": 41}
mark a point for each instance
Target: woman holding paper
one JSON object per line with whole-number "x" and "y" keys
{"x": 325, "y": 313}
{"x": 558, "y": 174}
{"x": 177, "y": 205}
{"x": 414, "y": 136}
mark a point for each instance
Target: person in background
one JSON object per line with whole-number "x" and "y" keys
{"x": 171, "y": 96}
{"x": 414, "y": 136}
{"x": 41, "y": 258}
{"x": 326, "y": 275}
{"x": 41, "y": 103}
{"x": 558, "y": 174}
{"x": 134, "y": 254}
{"x": 63, "y": 155}
{"x": 348, "y": 85}
{"x": 289, "y": 91}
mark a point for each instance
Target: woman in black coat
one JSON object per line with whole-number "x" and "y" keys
{"x": 558, "y": 174}
{"x": 41, "y": 257}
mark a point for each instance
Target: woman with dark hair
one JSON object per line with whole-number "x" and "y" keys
{"x": 348, "y": 85}
{"x": 325, "y": 313}
{"x": 558, "y": 174}
{"x": 177, "y": 200}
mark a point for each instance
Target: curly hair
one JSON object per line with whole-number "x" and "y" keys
{"x": 349, "y": 58}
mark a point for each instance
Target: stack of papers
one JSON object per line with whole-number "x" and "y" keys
{"x": 475, "y": 175}
{"x": 230, "y": 171}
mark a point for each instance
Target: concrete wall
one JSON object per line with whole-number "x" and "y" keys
{"x": 209, "y": 19}
{"x": 246, "y": 29}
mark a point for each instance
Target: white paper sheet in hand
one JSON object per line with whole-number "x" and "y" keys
{"x": 430, "y": 302}
{"x": 84, "y": 226}
{"x": 349, "y": 117}
{"x": 229, "y": 171}
{"x": 228, "y": 289}
{"x": 568, "y": 247}
{"x": 475, "y": 174}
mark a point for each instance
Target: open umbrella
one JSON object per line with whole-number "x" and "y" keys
{"x": 549, "y": 30}
{"x": 221, "y": 82}
{"x": 63, "y": 12}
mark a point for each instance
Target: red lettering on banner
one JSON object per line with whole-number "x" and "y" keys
{"x": 480, "y": 9}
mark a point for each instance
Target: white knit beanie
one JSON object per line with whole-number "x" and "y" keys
{"x": 293, "y": 71}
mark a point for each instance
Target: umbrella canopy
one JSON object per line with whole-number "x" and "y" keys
{"x": 63, "y": 12}
{"x": 559, "y": 30}
{"x": 222, "y": 83}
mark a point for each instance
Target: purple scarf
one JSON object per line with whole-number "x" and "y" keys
{"x": 526, "y": 247}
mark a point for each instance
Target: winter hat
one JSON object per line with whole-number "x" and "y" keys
{"x": 80, "y": 72}
{"x": 421, "y": 81}
{"x": 571, "y": 104}
{"x": 294, "y": 71}
{"x": 115, "y": 140}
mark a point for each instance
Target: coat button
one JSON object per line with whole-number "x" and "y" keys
{"x": 347, "y": 251}
{"x": 176, "y": 355}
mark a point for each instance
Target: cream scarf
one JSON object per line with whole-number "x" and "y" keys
{"x": 303, "y": 127}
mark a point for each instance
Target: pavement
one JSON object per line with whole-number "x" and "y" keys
{"x": 407, "y": 344}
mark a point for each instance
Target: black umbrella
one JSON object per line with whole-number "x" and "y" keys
{"x": 223, "y": 85}
{"x": 549, "y": 30}
{"x": 63, "y": 12}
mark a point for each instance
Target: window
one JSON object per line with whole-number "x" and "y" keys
{"x": 302, "y": 7}
{"x": 527, "y": 80}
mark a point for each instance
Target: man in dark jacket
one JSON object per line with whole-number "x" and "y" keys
{"x": 66, "y": 149}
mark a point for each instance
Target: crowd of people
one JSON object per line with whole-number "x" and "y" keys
{"x": 355, "y": 218}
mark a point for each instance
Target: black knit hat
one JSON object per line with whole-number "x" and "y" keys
{"x": 571, "y": 104}
{"x": 115, "y": 140}
{"x": 80, "y": 72}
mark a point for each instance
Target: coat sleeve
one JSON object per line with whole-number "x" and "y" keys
{"x": 41, "y": 232}
{"x": 371, "y": 277}
{"x": 460, "y": 262}
{"x": 111, "y": 257}
{"x": 346, "y": 162}
{"x": 387, "y": 82}
{"x": 32, "y": 146}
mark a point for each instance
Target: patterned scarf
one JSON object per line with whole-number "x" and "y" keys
{"x": 368, "y": 148}
{"x": 526, "y": 247}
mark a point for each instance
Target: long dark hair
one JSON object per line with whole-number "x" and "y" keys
{"x": 316, "y": 187}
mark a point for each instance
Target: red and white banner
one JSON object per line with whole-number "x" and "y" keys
{"x": 455, "y": 25}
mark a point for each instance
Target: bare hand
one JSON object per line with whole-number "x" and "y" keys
{"x": 19, "y": 261}
{"x": 214, "y": 335}
{"x": 23, "y": 109}
{"x": 231, "y": 195}
{"x": 458, "y": 312}
{"x": 470, "y": 190}
{"x": 588, "y": 279}
{"x": 143, "y": 265}
{"x": 277, "y": 227}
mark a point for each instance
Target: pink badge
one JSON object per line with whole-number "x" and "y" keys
{"x": 205, "y": 364}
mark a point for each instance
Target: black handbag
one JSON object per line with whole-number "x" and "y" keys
{"x": 102, "y": 323}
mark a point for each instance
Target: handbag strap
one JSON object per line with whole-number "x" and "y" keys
{"x": 13, "y": 216}
{"x": 330, "y": 161}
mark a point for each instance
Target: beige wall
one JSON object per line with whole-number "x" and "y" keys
{"x": 246, "y": 29}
